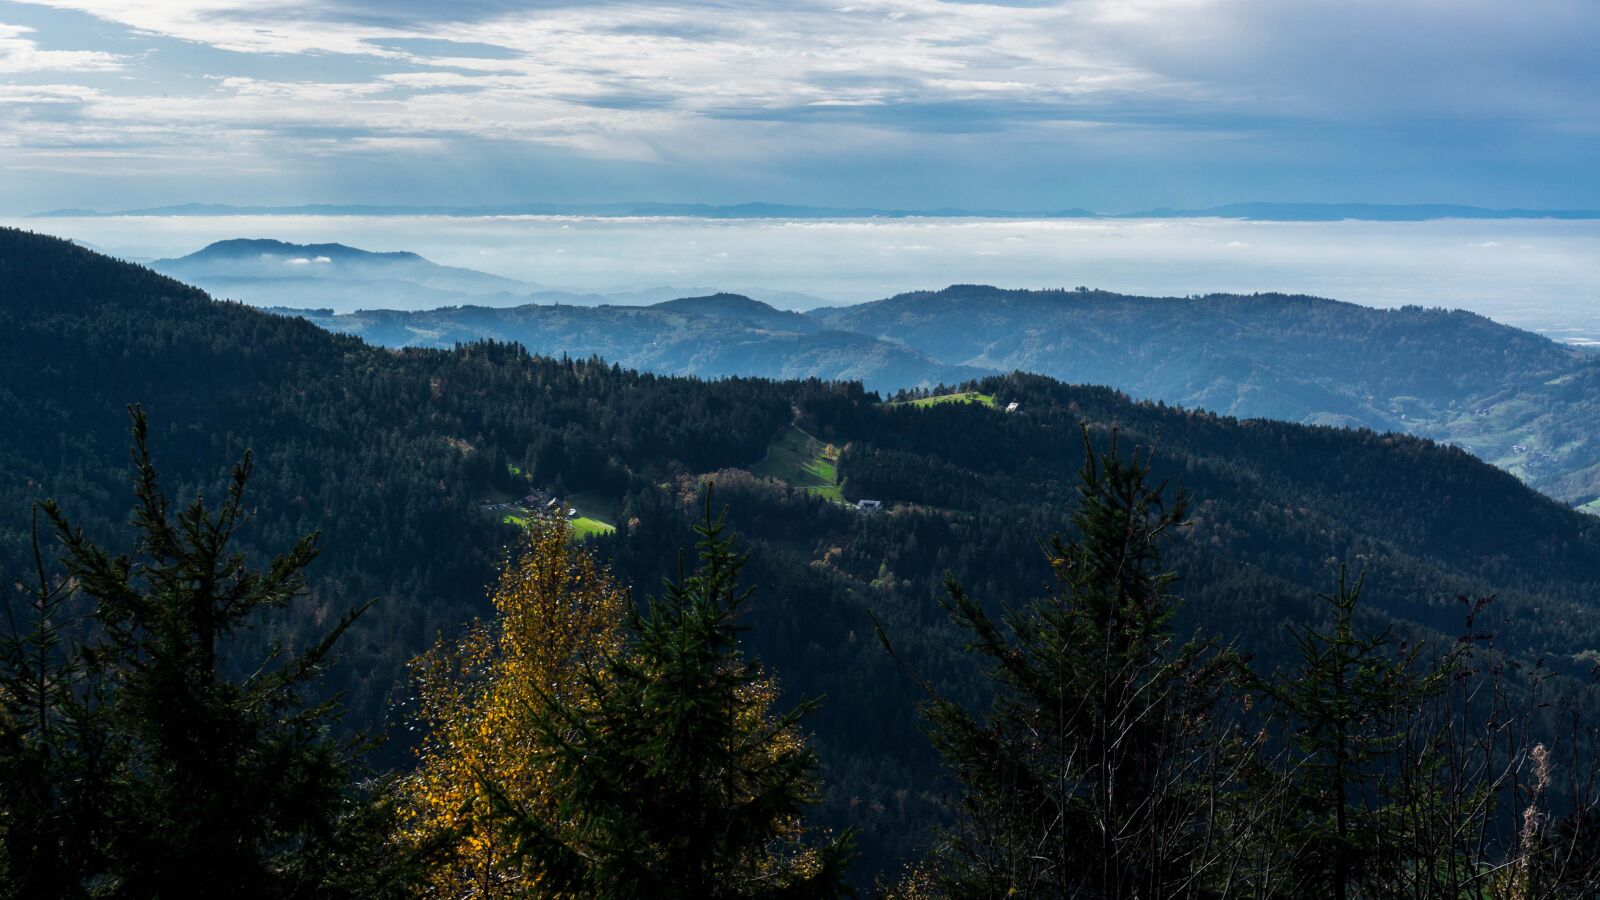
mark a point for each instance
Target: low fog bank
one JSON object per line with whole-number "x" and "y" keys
{"x": 1542, "y": 275}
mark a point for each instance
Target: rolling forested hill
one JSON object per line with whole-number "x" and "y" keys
{"x": 712, "y": 336}
{"x": 1278, "y": 356}
{"x": 1513, "y": 398}
{"x": 385, "y": 452}
{"x": 395, "y": 454}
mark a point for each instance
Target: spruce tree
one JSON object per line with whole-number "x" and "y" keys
{"x": 222, "y": 775}
{"x": 674, "y": 779}
{"x": 1349, "y": 703}
{"x": 52, "y": 743}
{"x": 1081, "y": 777}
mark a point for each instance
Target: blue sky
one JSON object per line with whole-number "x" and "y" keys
{"x": 1106, "y": 104}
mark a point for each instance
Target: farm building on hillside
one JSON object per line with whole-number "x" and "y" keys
{"x": 869, "y": 506}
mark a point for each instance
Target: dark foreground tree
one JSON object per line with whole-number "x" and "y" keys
{"x": 674, "y": 779}
{"x": 52, "y": 744}
{"x": 1353, "y": 803}
{"x": 209, "y": 768}
{"x": 1408, "y": 775}
{"x": 1089, "y": 774}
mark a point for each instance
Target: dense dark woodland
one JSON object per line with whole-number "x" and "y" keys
{"x": 382, "y": 451}
{"x": 389, "y": 453}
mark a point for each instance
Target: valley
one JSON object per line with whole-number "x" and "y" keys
{"x": 391, "y": 451}
{"x": 725, "y": 450}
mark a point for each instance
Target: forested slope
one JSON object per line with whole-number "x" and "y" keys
{"x": 1511, "y": 397}
{"x": 1276, "y": 355}
{"x": 1516, "y": 399}
{"x": 384, "y": 451}
{"x": 392, "y": 454}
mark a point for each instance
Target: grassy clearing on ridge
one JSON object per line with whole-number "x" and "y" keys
{"x": 963, "y": 397}
{"x": 803, "y": 461}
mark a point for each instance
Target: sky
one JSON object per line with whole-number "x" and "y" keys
{"x": 1112, "y": 105}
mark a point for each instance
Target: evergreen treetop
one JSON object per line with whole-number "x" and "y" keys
{"x": 678, "y": 782}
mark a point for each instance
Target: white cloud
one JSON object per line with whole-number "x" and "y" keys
{"x": 21, "y": 54}
{"x": 45, "y": 93}
{"x": 721, "y": 83}
{"x": 626, "y": 79}
{"x": 245, "y": 26}
{"x": 757, "y": 57}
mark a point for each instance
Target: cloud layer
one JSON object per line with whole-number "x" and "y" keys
{"x": 1109, "y": 103}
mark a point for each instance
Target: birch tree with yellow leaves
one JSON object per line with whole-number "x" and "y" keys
{"x": 557, "y": 619}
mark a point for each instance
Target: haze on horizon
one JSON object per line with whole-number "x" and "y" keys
{"x": 1541, "y": 275}
{"x": 1106, "y": 104}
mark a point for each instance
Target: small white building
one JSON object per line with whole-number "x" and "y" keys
{"x": 869, "y": 506}
{"x": 1013, "y": 406}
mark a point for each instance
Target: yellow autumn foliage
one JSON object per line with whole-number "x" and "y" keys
{"x": 916, "y": 883}
{"x": 557, "y": 611}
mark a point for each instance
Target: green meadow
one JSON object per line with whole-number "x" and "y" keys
{"x": 803, "y": 461}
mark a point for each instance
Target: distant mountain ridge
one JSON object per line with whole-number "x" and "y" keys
{"x": 712, "y": 336}
{"x": 249, "y": 248}
{"x": 1511, "y": 397}
{"x": 741, "y": 308}
{"x": 272, "y": 273}
{"x": 1270, "y": 212}
{"x": 1367, "y": 212}
{"x": 261, "y": 259}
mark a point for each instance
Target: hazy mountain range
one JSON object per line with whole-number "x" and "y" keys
{"x": 340, "y": 278}
{"x": 714, "y": 336}
{"x": 1269, "y": 212}
{"x": 1514, "y": 398}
